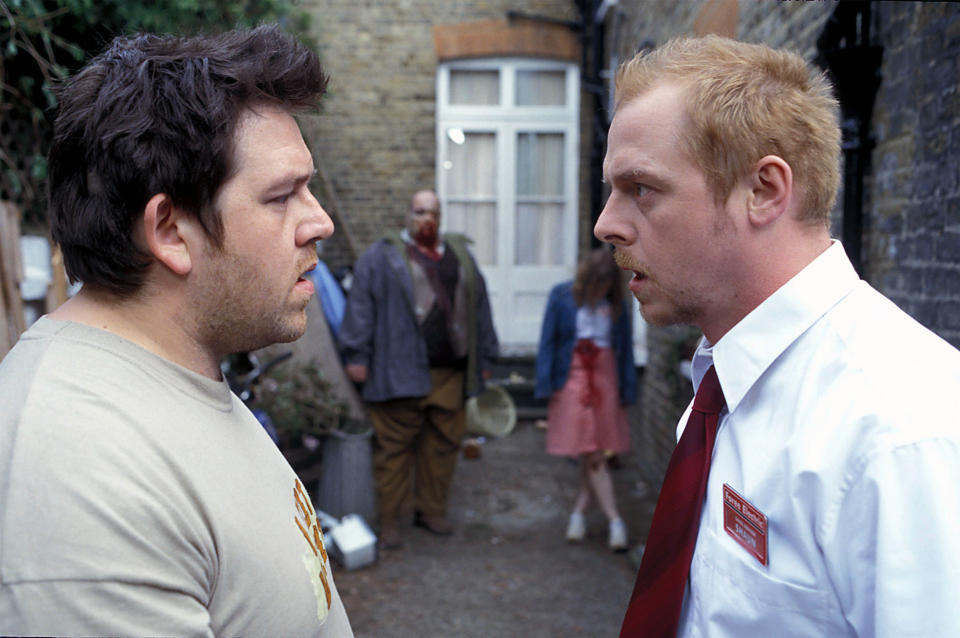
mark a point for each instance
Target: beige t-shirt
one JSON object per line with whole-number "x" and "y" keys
{"x": 138, "y": 498}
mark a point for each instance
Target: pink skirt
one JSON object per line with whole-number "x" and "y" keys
{"x": 585, "y": 415}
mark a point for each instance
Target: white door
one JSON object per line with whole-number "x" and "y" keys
{"x": 507, "y": 167}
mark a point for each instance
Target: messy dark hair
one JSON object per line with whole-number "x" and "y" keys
{"x": 158, "y": 114}
{"x": 598, "y": 277}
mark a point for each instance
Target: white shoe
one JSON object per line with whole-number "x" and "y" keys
{"x": 576, "y": 528}
{"x": 618, "y": 535}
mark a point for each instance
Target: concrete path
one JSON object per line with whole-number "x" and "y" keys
{"x": 507, "y": 571}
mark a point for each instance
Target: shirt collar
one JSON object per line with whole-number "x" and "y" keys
{"x": 408, "y": 238}
{"x": 743, "y": 354}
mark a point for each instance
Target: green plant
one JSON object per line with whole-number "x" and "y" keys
{"x": 300, "y": 400}
{"x": 43, "y": 41}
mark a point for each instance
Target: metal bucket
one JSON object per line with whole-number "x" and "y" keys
{"x": 346, "y": 480}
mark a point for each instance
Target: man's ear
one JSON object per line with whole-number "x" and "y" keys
{"x": 168, "y": 231}
{"x": 771, "y": 190}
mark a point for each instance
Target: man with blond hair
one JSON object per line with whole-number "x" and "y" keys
{"x": 812, "y": 491}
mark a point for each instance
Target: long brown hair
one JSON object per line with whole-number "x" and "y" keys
{"x": 599, "y": 277}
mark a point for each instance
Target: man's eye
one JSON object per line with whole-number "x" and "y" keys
{"x": 640, "y": 190}
{"x": 282, "y": 199}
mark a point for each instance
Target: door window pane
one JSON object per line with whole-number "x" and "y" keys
{"x": 541, "y": 88}
{"x": 471, "y": 167}
{"x": 540, "y": 204}
{"x": 470, "y": 172}
{"x": 539, "y": 240}
{"x": 478, "y": 221}
{"x": 540, "y": 164}
{"x": 474, "y": 87}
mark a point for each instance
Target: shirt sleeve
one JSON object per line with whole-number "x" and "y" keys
{"x": 892, "y": 553}
{"x": 488, "y": 346}
{"x": 359, "y": 318}
{"x": 546, "y": 350}
{"x": 102, "y": 545}
{"x": 100, "y": 608}
{"x": 626, "y": 366}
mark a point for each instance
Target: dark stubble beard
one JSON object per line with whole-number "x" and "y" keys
{"x": 237, "y": 318}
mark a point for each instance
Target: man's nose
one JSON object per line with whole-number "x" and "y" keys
{"x": 316, "y": 224}
{"x": 610, "y": 226}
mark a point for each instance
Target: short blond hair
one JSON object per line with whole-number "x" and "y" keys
{"x": 744, "y": 102}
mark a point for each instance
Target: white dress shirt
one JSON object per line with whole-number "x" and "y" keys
{"x": 841, "y": 428}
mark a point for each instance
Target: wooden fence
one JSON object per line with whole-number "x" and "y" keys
{"x": 11, "y": 274}
{"x": 12, "y": 319}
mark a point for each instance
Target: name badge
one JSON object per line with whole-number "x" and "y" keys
{"x": 745, "y": 524}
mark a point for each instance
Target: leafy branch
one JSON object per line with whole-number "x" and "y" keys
{"x": 43, "y": 41}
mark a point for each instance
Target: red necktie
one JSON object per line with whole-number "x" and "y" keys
{"x": 654, "y": 610}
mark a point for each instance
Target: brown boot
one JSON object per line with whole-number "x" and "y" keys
{"x": 436, "y": 524}
{"x": 390, "y": 534}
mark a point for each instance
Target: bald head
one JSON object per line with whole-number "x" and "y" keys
{"x": 423, "y": 218}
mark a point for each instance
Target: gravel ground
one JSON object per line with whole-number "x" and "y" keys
{"x": 507, "y": 570}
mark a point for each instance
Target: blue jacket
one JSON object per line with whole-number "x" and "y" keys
{"x": 380, "y": 330}
{"x": 558, "y": 335}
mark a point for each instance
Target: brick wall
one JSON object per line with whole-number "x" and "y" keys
{"x": 912, "y": 228}
{"x": 375, "y": 135}
{"x": 664, "y": 394}
{"x": 911, "y": 233}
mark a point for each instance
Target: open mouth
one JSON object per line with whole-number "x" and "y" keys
{"x": 306, "y": 273}
{"x": 627, "y": 263}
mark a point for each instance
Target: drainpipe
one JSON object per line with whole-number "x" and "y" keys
{"x": 844, "y": 50}
{"x": 595, "y": 17}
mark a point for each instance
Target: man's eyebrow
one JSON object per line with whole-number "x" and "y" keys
{"x": 292, "y": 178}
{"x": 636, "y": 173}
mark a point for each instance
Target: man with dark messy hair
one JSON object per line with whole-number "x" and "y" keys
{"x": 158, "y": 114}
{"x": 138, "y": 495}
